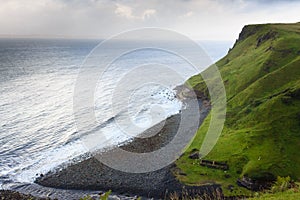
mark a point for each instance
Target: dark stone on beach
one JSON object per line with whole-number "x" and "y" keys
{"x": 166, "y": 130}
{"x": 93, "y": 175}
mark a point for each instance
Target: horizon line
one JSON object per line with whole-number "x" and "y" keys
{"x": 9, "y": 36}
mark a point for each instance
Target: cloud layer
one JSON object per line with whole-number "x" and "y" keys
{"x": 199, "y": 19}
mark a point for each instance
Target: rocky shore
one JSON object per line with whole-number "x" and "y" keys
{"x": 13, "y": 195}
{"x": 90, "y": 174}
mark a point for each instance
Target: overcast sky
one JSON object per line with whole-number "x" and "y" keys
{"x": 198, "y": 19}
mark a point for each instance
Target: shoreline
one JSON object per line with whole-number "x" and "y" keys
{"x": 91, "y": 174}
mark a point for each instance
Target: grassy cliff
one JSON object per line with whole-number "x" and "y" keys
{"x": 261, "y": 136}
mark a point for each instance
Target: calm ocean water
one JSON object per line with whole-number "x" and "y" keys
{"x": 37, "y": 78}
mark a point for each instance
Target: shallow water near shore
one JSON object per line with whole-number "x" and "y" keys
{"x": 37, "y": 128}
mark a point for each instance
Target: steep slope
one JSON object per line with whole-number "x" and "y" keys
{"x": 261, "y": 136}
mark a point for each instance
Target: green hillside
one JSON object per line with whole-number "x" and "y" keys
{"x": 261, "y": 136}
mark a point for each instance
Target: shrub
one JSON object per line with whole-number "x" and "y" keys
{"x": 86, "y": 198}
{"x": 102, "y": 197}
{"x": 105, "y": 195}
{"x": 281, "y": 184}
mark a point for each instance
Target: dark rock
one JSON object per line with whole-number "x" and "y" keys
{"x": 269, "y": 49}
{"x": 249, "y": 30}
{"x": 227, "y": 176}
{"x": 230, "y": 187}
{"x": 182, "y": 173}
{"x": 254, "y": 185}
{"x": 194, "y": 155}
{"x": 13, "y": 195}
{"x": 271, "y": 35}
{"x": 214, "y": 164}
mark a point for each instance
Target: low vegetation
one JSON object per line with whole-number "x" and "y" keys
{"x": 282, "y": 189}
{"x": 186, "y": 196}
{"x": 102, "y": 197}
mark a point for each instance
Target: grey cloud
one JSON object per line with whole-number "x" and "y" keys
{"x": 205, "y": 19}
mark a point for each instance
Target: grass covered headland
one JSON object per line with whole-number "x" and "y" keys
{"x": 261, "y": 136}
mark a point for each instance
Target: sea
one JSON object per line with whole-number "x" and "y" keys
{"x": 38, "y": 131}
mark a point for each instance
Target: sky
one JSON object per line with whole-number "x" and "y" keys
{"x": 197, "y": 19}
